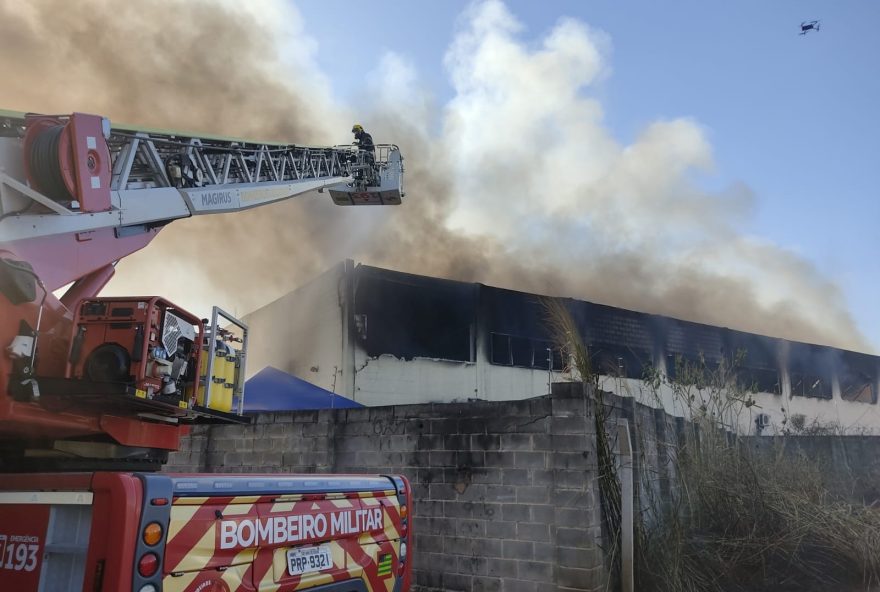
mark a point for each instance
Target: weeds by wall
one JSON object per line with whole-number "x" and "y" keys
{"x": 729, "y": 514}
{"x": 746, "y": 518}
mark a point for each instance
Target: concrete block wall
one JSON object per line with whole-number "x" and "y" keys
{"x": 654, "y": 437}
{"x": 850, "y": 465}
{"x": 506, "y": 493}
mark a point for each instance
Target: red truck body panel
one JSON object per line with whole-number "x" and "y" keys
{"x": 237, "y": 533}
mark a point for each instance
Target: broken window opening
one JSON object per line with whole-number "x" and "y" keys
{"x": 857, "y": 374}
{"x": 810, "y": 385}
{"x": 810, "y": 369}
{"x": 759, "y": 380}
{"x": 410, "y": 317}
{"x": 619, "y": 361}
{"x": 857, "y": 388}
{"x": 691, "y": 369}
{"x": 524, "y": 352}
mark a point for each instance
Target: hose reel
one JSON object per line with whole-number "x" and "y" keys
{"x": 68, "y": 160}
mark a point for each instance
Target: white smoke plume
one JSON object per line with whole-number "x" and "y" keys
{"x": 517, "y": 181}
{"x": 537, "y": 178}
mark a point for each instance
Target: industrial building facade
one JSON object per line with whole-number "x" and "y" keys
{"x": 383, "y": 337}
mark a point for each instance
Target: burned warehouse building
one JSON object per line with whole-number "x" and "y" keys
{"x": 383, "y": 337}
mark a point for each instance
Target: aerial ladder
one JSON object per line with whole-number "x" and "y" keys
{"x": 120, "y": 379}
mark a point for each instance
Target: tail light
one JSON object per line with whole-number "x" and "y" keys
{"x": 148, "y": 565}
{"x": 404, "y": 498}
{"x": 404, "y": 528}
{"x": 149, "y": 554}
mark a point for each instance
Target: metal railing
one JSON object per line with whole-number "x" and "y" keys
{"x": 144, "y": 160}
{"x": 213, "y": 334}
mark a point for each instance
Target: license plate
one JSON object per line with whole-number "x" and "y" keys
{"x": 308, "y": 559}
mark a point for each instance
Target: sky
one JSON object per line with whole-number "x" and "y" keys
{"x": 792, "y": 117}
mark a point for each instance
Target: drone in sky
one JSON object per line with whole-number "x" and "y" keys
{"x": 808, "y": 26}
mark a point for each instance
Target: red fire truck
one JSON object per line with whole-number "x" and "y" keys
{"x": 95, "y": 391}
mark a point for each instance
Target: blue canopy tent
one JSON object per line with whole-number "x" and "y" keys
{"x": 271, "y": 389}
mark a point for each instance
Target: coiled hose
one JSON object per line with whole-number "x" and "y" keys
{"x": 45, "y": 165}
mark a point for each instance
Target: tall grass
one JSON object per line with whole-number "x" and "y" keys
{"x": 743, "y": 519}
{"x": 735, "y": 517}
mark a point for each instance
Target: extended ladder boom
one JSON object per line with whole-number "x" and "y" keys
{"x": 66, "y": 176}
{"x": 147, "y": 177}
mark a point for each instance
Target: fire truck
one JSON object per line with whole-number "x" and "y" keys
{"x": 96, "y": 391}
